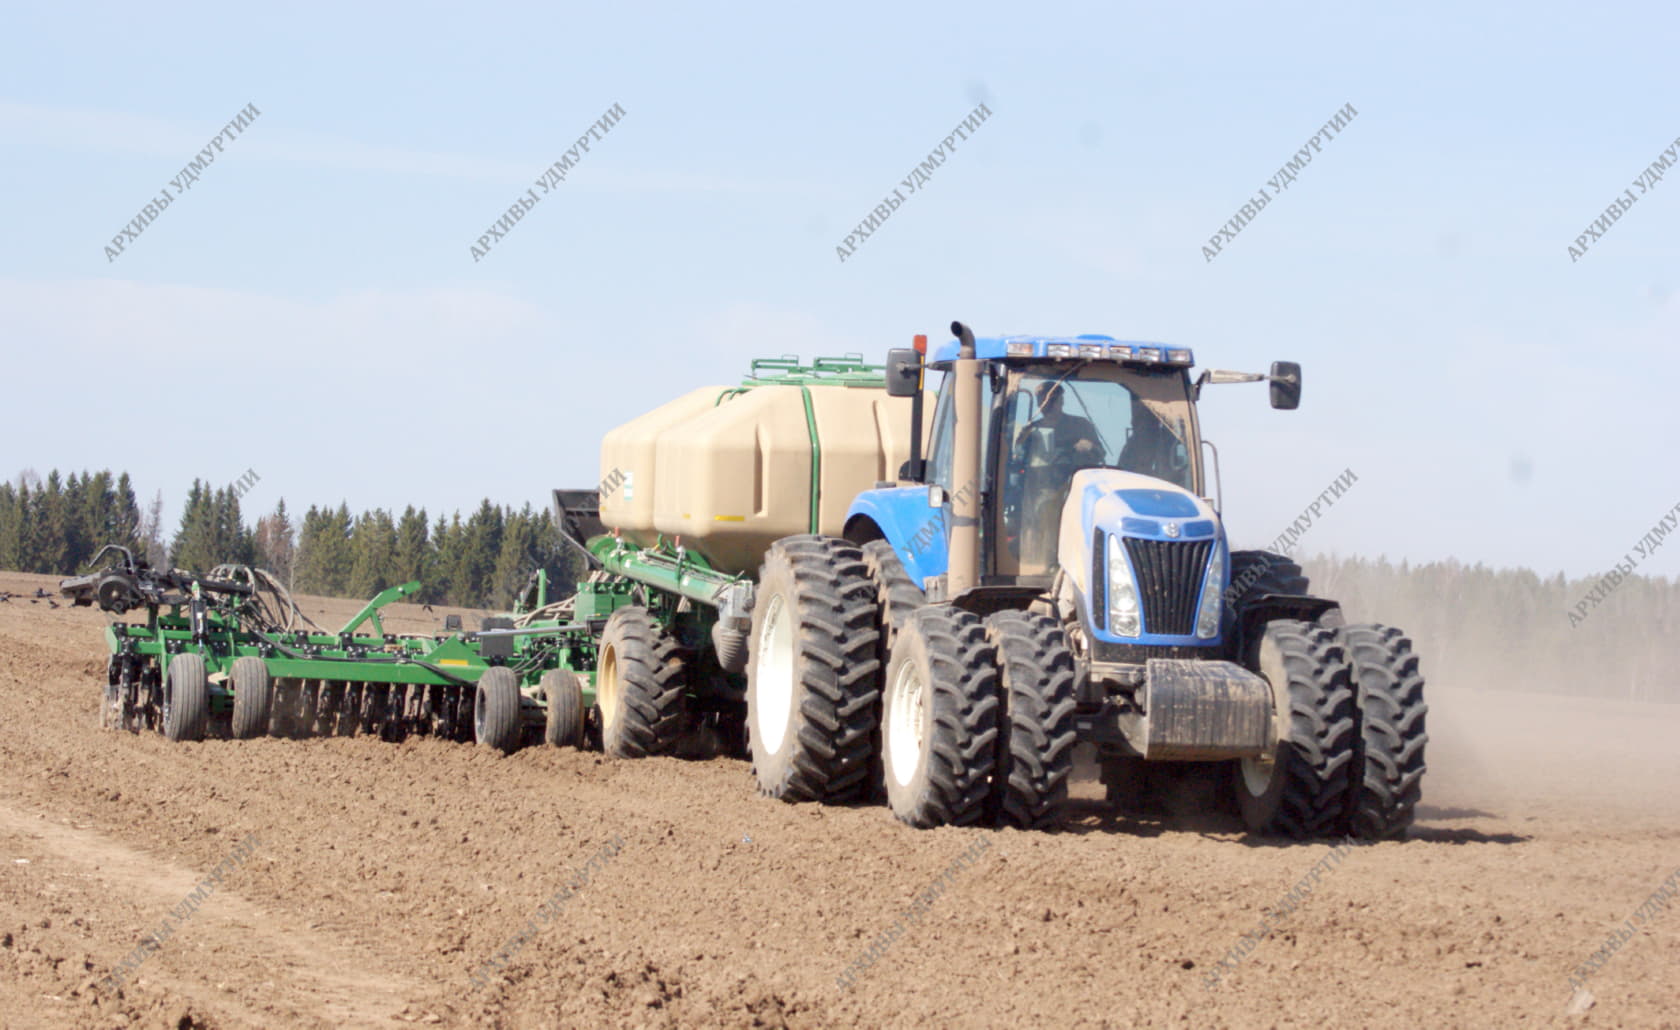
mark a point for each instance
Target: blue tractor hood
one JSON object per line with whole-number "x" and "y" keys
{"x": 1168, "y": 536}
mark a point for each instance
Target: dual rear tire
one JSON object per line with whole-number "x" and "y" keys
{"x": 963, "y": 720}
{"x": 1350, "y": 756}
{"x": 812, "y": 672}
{"x": 979, "y": 720}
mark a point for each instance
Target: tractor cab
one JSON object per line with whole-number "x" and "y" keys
{"x": 1088, "y": 487}
{"x": 1080, "y": 440}
{"x": 1057, "y": 407}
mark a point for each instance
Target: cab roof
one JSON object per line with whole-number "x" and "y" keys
{"x": 1090, "y": 346}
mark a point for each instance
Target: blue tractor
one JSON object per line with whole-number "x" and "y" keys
{"x": 1054, "y": 570}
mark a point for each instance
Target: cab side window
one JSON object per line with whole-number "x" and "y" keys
{"x": 939, "y": 451}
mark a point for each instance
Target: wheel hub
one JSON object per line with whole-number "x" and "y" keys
{"x": 773, "y": 682}
{"x": 1257, "y": 774}
{"x": 906, "y": 713}
{"x": 606, "y": 689}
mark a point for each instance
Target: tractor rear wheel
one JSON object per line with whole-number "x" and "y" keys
{"x": 186, "y": 698}
{"x": 941, "y": 710}
{"x": 1388, "y": 754}
{"x": 496, "y": 722}
{"x": 1303, "y": 788}
{"x": 1257, "y": 573}
{"x": 896, "y": 596}
{"x": 253, "y": 697}
{"x": 564, "y": 694}
{"x": 1036, "y": 730}
{"x": 641, "y": 686}
{"x": 811, "y": 672}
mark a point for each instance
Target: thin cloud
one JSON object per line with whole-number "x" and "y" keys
{"x": 125, "y": 132}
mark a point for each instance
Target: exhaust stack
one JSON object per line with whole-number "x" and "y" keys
{"x": 964, "y": 570}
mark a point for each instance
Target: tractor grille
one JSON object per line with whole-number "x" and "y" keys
{"x": 1169, "y": 573}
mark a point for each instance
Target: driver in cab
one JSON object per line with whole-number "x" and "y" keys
{"x": 1048, "y": 450}
{"x": 1055, "y": 437}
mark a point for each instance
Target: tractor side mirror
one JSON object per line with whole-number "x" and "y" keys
{"x": 904, "y": 368}
{"x": 1286, "y": 385}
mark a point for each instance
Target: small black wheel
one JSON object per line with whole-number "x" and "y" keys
{"x": 253, "y": 697}
{"x": 186, "y": 698}
{"x": 496, "y": 710}
{"x": 564, "y": 693}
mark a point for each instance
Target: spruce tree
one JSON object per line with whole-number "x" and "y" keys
{"x": 374, "y": 551}
{"x": 413, "y": 559}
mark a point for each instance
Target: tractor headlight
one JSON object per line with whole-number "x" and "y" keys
{"x": 1125, "y": 618}
{"x": 1207, "y": 616}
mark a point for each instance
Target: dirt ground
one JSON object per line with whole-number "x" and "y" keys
{"x": 380, "y": 877}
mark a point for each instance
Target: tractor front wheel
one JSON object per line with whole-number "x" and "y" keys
{"x": 941, "y": 711}
{"x": 1036, "y": 729}
{"x": 1303, "y": 787}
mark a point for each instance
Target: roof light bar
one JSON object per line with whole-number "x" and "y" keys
{"x": 1086, "y": 349}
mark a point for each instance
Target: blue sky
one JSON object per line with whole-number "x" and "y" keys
{"x": 310, "y": 308}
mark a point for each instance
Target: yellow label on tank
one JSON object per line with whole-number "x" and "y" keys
{"x": 453, "y": 661}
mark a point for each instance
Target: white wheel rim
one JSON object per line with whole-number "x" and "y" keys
{"x": 1257, "y": 772}
{"x": 905, "y": 723}
{"x": 606, "y": 689}
{"x": 773, "y": 684}
{"x": 1257, "y": 775}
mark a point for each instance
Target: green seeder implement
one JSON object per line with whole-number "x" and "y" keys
{"x": 225, "y": 654}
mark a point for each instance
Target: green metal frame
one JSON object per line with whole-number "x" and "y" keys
{"x": 381, "y": 658}
{"x": 666, "y": 567}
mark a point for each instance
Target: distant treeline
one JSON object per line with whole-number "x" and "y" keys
{"x": 1509, "y": 629}
{"x": 1474, "y": 627}
{"x": 56, "y": 525}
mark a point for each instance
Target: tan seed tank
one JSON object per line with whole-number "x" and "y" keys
{"x": 731, "y": 471}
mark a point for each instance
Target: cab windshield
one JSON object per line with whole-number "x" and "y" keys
{"x": 1058, "y": 420}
